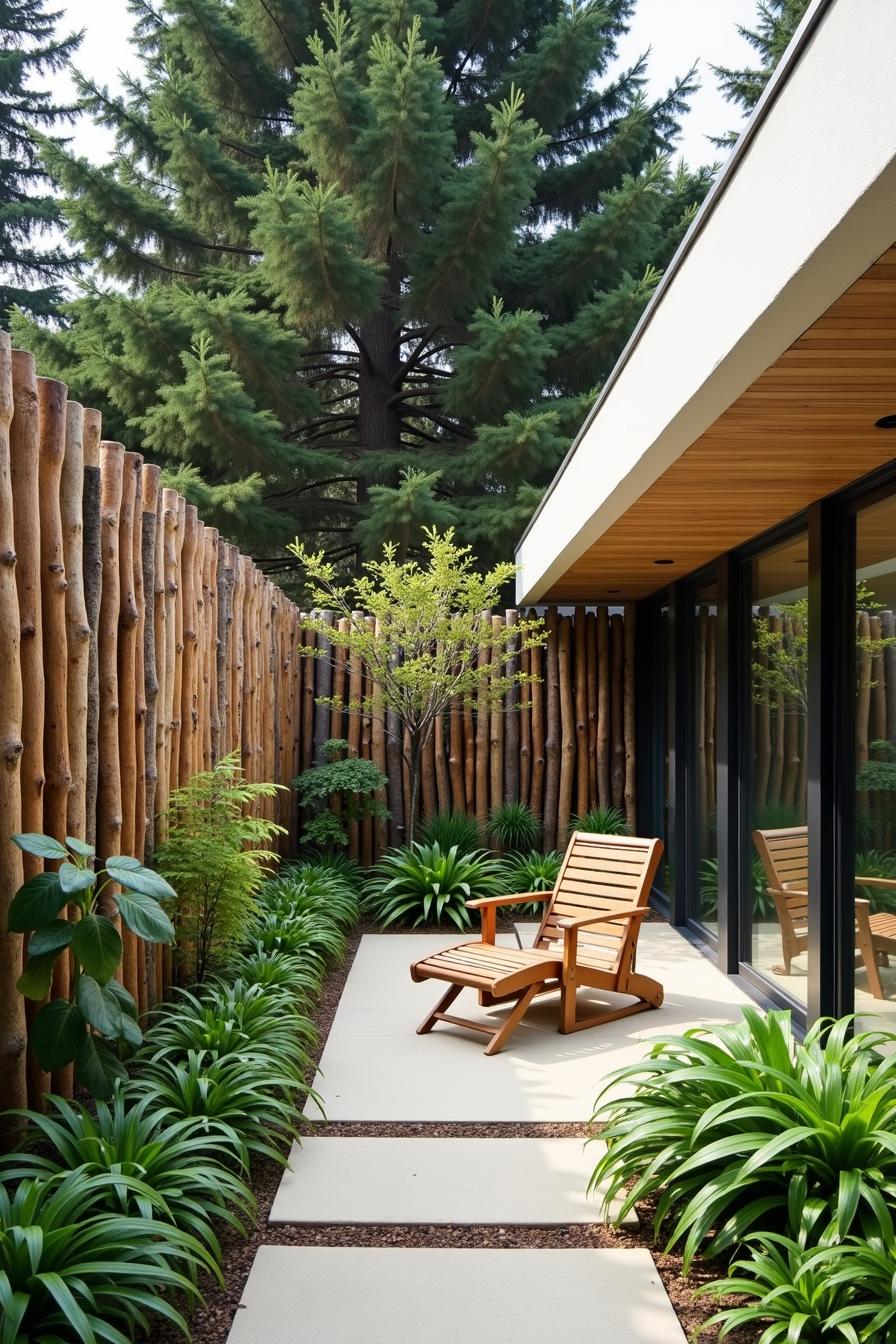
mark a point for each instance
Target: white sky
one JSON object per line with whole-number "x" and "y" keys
{"x": 678, "y": 33}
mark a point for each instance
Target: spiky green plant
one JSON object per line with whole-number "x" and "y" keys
{"x": 310, "y": 889}
{"x": 449, "y": 829}
{"x": 424, "y": 884}
{"x": 600, "y": 821}
{"x": 513, "y": 828}
{"x": 70, "y": 1270}
{"x": 243, "y": 1093}
{"x": 277, "y": 970}
{"x": 717, "y": 1124}
{"x": 532, "y": 872}
{"x": 189, "y": 1164}
{"x": 839, "y": 1294}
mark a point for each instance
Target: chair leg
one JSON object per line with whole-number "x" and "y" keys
{"x": 649, "y": 994}
{"x": 513, "y": 1019}
{"x": 444, "y": 1002}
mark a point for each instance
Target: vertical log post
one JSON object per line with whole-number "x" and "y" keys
{"x": 568, "y": 727}
{"x": 628, "y": 715}
{"x": 13, "y": 1089}
{"x": 552, "y": 837}
{"x": 108, "y": 803}
{"x": 93, "y": 588}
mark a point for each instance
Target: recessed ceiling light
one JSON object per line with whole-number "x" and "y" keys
{"x": 664, "y": 562}
{"x": 886, "y": 422}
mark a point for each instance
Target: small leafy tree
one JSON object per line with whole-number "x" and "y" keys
{"x": 428, "y": 642}
{"x": 216, "y": 857}
{"x": 86, "y": 1027}
{"x": 347, "y": 778}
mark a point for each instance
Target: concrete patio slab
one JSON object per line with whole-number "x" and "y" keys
{"x": 375, "y": 1068}
{"x": 336, "y": 1295}
{"x": 477, "y": 1182}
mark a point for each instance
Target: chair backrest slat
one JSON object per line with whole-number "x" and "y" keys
{"x": 601, "y": 875}
{"x": 785, "y": 855}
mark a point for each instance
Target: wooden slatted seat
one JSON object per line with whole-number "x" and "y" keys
{"x": 587, "y": 938}
{"x": 785, "y": 858}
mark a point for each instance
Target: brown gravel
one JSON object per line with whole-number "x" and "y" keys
{"x": 210, "y": 1324}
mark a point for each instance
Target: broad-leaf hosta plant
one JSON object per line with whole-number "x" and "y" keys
{"x": 424, "y": 884}
{"x": 70, "y": 1270}
{"x": 717, "y": 1125}
{"x": 190, "y": 1164}
{"x": 99, "y": 1013}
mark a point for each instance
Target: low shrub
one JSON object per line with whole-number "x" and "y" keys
{"x": 71, "y": 1270}
{"x": 718, "y": 1124}
{"x": 312, "y": 888}
{"x": 600, "y": 821}
{"x": 341, "y": 777}
{"x": 513, "y": 827}
{"x": 241, "y": 1093}
{"x": 424, "y": 884}
{"x": 188, "y": 1164}
{"x": 216, "y": 857}
{"x": 451, "y": 829}
{"x": 839, "y": 1294}
{"x": 532, "y": 872}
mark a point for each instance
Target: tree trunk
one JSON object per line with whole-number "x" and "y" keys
{"x": 108, "y": 803}
{"x": 581, "y": 709}
{"x": 496, "y": 718}
{"x": 153, "y": 612}
{"x": 568, "y": 728}
{"x": 13, "y": 1091}
{"x": 537, "y": 659}
{"x": 77, "y": 629}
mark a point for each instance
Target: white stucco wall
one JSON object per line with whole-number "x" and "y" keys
{"x": 811, "y": 205}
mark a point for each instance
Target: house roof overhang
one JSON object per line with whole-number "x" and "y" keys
{"x": 752, "y": 385}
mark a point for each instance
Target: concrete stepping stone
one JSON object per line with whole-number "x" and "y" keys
{"x": 375, "y": 1068}
{"x": 336, "y": 1295}
{"x": 476, "y": 1182}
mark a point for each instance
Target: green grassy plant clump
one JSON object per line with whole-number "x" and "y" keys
{"x": 601, "y": 821}
{"x": 513, "y": 828}
{"x": 532, "y": 872}
{"x": 216, "y": 858}
{"x": 424, "y": 884}
{"x": 452, "y": 828}
{"x": 741, "y": 1129}
{"x": 109, "y": 1216}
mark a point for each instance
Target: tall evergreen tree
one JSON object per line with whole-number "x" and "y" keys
{"x": 379, "y": 255}
{"x": 30, "y": 274}
{"x": 776, "y": 23}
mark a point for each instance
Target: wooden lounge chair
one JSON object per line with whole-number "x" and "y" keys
{"x": 587, "y": 938}
{"x": 785, "y": 857}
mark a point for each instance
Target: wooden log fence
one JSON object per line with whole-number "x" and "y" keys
{"x": 138, "y": 647}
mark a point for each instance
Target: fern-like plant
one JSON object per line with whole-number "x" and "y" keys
{"x": 514, "y": 828}
{"x": 424, "y": 884}
{"x": 601, "y": 821}
{"x": 216, "y": 859}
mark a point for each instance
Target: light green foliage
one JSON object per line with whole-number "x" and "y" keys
{"x": 841, "y": 1294}
{"x": 187, "y": 1164}
{"x": 71, "y": 1271}
{"x": 350, "y": 781}
{"x": 452, "y": 216}
{"x": 99, "y": 1016}
{"x": 514, "y": 826}
{"x": 424, "y": 884}
{"x": 532, "y": 872}
{"x": 763, "y": 905}
{"x": 605, "y": 820}
{"x": 451, "y": 827}
{"x": 733, "y": 1129}
{"x": 428, "y": 641}
{"x": 215, "y": 859}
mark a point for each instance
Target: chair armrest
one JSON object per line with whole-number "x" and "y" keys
{"x": 882, "y": 883}
{"x": 494, "y": 901}
{"x": 573, "y": 925}
{"x": 787, "y": 891}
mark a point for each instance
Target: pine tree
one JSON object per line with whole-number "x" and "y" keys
{"x": 380, "y": 254}
{"x": 30, "y": 274}
{"x": 776, "y": 23}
